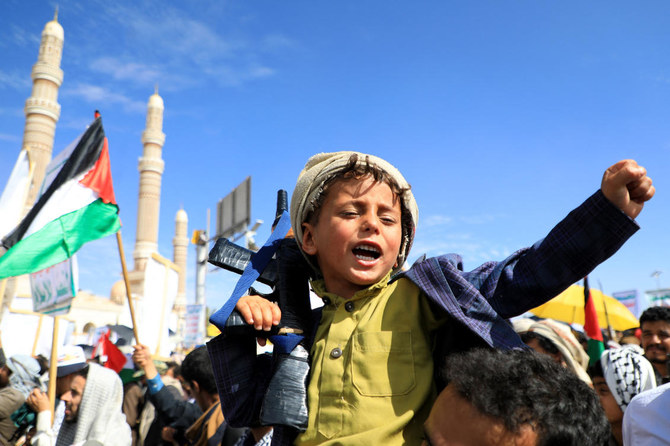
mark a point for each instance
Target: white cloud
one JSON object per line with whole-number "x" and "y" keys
{"x": 10, "y": 138}
{"x": 15, "y": 81}
{"x": 436, "y": 220}
{"x": 125, "y": 71}
{"x": 176, "y": 49}
{"x": 21, "y": 37}
{"x": 100, "y": 95}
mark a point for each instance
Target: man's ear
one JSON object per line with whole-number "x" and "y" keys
{"x": 308, "y": 242}
{"x": 195, "y": 387}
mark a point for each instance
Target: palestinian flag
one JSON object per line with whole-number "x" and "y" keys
{"x": 77, "y": 206}
{"x": 596, "y": 343}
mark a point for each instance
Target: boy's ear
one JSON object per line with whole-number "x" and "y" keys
{"x": 308, "y": 242}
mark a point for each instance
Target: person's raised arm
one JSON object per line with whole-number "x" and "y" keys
{"x": 627, "y": 186}
{"x": 142, "y": 357}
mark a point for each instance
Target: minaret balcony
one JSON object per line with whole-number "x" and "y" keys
{"x": 43, "y": 107}
{"x": 47, "y": 72}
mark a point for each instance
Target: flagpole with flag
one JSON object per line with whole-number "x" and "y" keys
{"x": 77, "y": 206}
{"x": 596, "y": 343}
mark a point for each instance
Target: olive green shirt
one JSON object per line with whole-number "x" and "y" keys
{"x": 371, "y": 376}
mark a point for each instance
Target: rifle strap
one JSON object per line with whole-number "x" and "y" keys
{"x": 252, "y": 271}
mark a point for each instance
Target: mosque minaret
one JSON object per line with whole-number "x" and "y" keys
{"x": 151, "y": 167}
{"x": 42, "y": 111}
{"x": 180, "y": 250}
{"x": 42, "y": 108}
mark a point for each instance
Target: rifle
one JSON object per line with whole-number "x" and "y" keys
{"x": 285, "y": 401}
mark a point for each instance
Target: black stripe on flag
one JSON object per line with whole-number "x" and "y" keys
{"x": 82, "y": 159}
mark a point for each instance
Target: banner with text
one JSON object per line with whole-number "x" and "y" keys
{"x": 660, "y": 297}
{"x": 54, "y": 288}
{"x": 631, "y": 301}
{"x": 194, "y": 330}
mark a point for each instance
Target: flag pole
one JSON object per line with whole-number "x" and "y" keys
{"x": 127, "y": 282}
{"x": 53, "y": 364}
{"x": 610, "y": 330}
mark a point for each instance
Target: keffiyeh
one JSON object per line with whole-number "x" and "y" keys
{"x": 25, "y": 373}
{"x": 627, "y": 373}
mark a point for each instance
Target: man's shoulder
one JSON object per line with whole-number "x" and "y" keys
{"x": 11, "y": 393}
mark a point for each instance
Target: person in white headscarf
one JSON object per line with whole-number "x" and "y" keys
{"x": 621, "y": 374}
{"x": 93, "y": 409}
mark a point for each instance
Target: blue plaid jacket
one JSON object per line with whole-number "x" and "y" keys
{"x": 478, "y": 302}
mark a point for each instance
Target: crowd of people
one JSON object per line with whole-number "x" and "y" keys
{"x": 429, "y": 355}
{"x": 545, "y": 394}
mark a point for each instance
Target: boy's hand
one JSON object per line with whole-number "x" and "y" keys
{"x": 627, "y": 185}
{"x": 259, "y": 312}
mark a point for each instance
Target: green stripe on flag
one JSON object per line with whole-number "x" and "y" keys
{"x": 60, "y": 239}
{"x": 595, "y": 349}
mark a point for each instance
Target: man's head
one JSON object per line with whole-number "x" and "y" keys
{"x": 71, "y": 359}
{"x": 74, "y": 393}
{"x": 353, "y": 217}
{"x": 655, "y": 326}
{"x": 514, "y": 398}
{"x": 621, "y": 374}
{"x": 197, "y": 377}
{"x": 5, "y": 373}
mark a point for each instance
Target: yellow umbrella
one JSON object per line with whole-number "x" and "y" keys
{"x": 569, "y": 307}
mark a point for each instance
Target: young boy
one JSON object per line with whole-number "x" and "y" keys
{"x": 378, "y": 337}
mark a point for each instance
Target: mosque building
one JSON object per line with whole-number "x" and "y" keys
{"x": 42, "y": 112}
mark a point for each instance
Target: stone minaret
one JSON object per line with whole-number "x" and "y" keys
{"x": 151, "y": 171}
{"x": 42, "y": 109}
{"x": 180, "y": 247}
{"x": 42, "y": 112}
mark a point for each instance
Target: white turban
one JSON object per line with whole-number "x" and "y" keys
{"x": 323, "y": 166}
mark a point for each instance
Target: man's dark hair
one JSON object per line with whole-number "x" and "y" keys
{"x": 83, "y": 372}
{"x": 197, "y": 367}
{"x": 521, "y": 387}
{"x": 545, "y": 343}
{"x": 653, "y": 314}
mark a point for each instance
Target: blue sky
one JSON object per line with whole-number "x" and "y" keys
{"x": 502, "y": 115}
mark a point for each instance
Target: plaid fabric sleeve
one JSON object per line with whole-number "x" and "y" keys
{"x": 241, "y": 377}
{"x": 589, "y": 235}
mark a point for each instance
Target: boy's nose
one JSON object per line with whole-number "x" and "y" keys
{"x": 370, "y": 223}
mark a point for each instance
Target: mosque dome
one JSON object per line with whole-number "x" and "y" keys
{"x": 118, "y": 293}
{"x": 53, "y": 28}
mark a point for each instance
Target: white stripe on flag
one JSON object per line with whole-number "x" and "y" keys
{"x": 70, "y": 197}
{"x": 13, "y": 199}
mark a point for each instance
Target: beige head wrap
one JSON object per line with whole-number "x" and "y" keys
{"x": 572, "y": 351}
{"x": 323, "y": 166}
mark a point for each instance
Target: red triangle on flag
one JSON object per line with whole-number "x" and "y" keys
{"x": 99, "y": 178}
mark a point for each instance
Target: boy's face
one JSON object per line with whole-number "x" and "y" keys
{"x": 357, "y": 237}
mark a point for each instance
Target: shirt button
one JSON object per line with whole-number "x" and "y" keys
{"x": 349, "y": 306}
{"x": 326, "y": 301}
{"x": 336, "y": 353}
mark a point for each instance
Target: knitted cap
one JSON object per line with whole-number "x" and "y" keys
{"x": 323, "y": 166}
{"x": 71, "y": 358}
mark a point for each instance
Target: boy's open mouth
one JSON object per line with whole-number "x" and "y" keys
{"x": 366, "y": 252}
